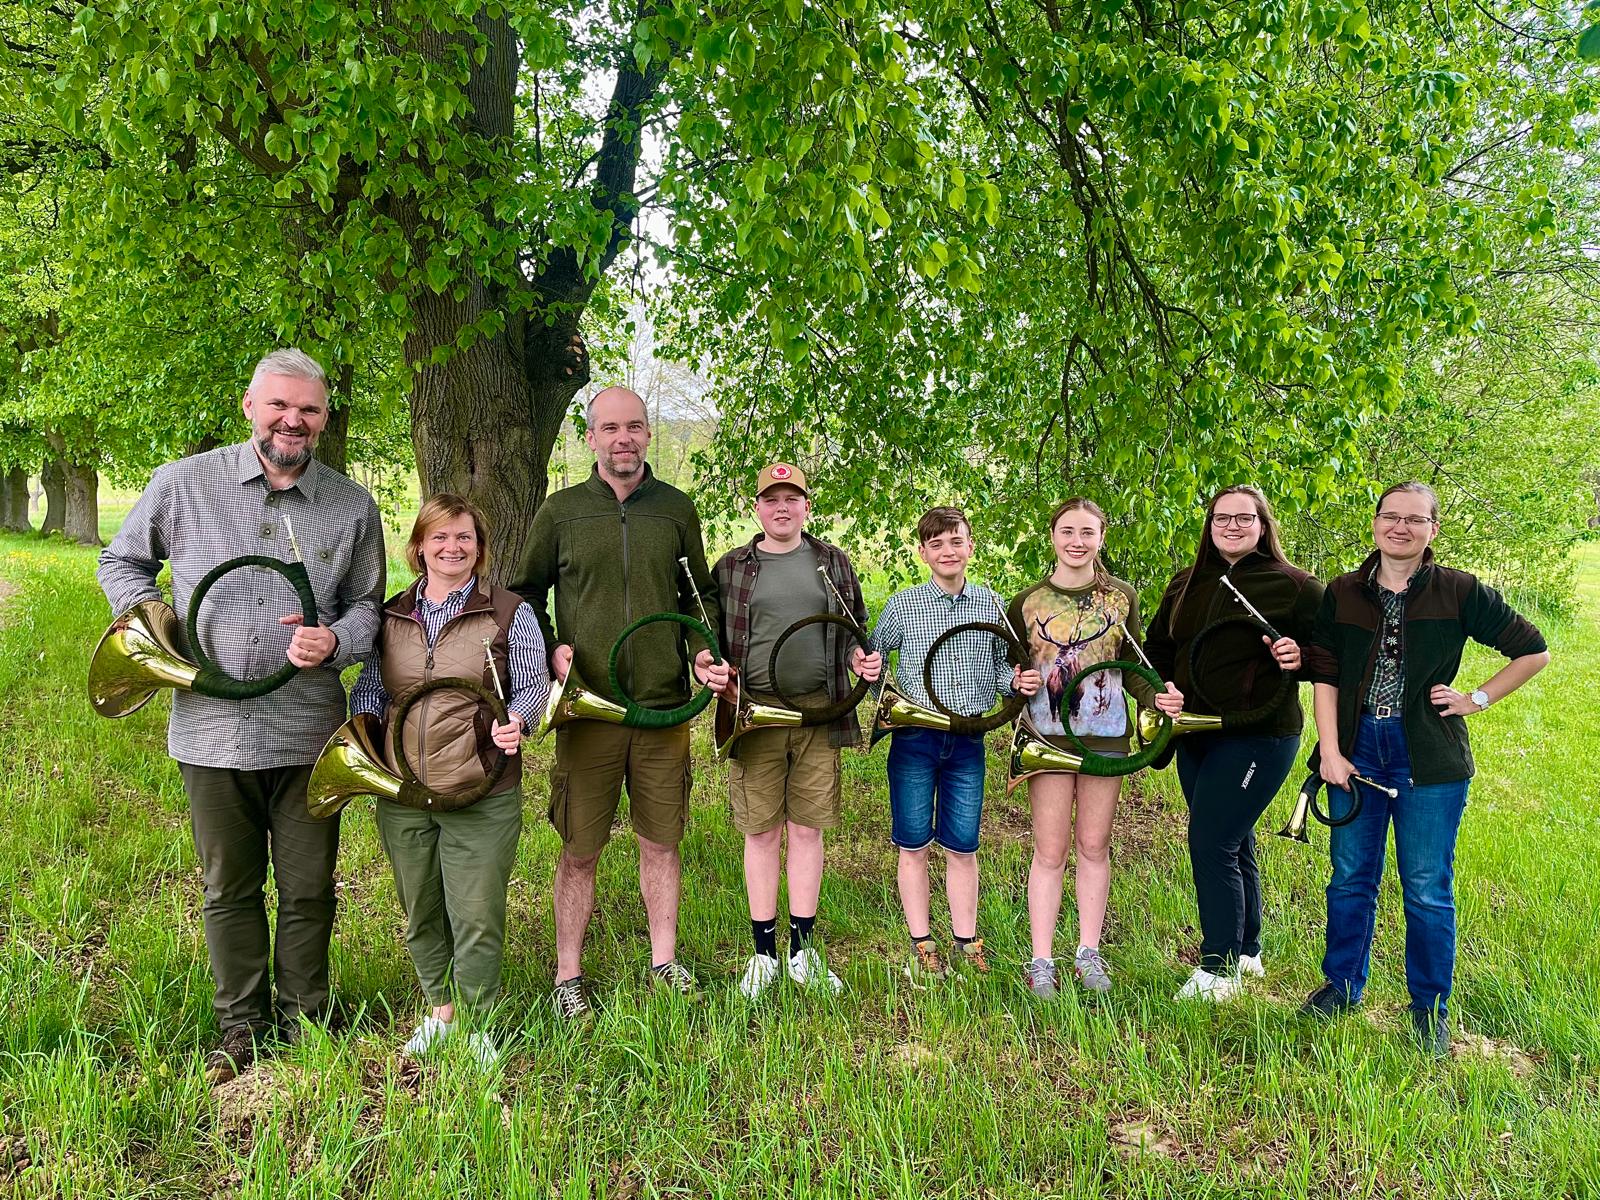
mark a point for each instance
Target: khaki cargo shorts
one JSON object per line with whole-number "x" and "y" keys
{"x": 782, "y": 774}
{"x": 595, "y": 760}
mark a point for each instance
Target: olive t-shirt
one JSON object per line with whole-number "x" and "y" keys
{"x": 787, "y": 588}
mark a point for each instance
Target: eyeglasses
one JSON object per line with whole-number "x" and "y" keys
{"x": 1237, "y": 520}
{"x": 1391, "y": 519}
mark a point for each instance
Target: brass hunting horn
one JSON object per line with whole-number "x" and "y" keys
{"x": 351, "y": 763}
{"x": 141, "y": 651}
{"x": 1306, "y": 804}
{"x": 1031, "y": 754}
{"x": 573, "y": 700}
{"x": 1238, "y": 721}
{"x": 745, "y": 715}
{"x": 896, "y": 710}
{"x": 823, "y": 714}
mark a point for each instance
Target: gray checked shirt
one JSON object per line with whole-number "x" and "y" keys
{"x": 971, "y": 668}
{"x": 203, "y": 510}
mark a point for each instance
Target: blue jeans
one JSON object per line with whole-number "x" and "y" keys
{"x": 1426, "y": 822}
{"x": 935, "y": 789}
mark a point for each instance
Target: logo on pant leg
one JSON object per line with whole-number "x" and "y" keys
{"x": 1248, "y": 776}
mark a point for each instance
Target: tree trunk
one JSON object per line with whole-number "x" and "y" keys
{"x": 53, "y": 477}
{"x": 200, "y": 445}
{"x": 14, "y": 506}
{"x": 333, "y": 445}
{"x": 480, "y": 427}
{"x": 83, "y": 504}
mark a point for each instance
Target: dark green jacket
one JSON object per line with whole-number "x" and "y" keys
{"x": 1235, "y": 662}
{"x": 1443, "y": 609}
{"x": 611, "y": 563}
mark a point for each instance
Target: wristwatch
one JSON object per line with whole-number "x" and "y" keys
{"x": 1480, "y": 698}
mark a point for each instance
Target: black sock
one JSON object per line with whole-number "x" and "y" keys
{"x": 800, "y": 933}
{"x": 765, "y": 934}
{"x": 962, "y": 942}
{"x": 919, "y": 937}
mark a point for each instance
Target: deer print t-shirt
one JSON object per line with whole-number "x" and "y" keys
{"x": 1069, "y": 629}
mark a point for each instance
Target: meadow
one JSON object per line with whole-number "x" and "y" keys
{"x": 970, "y": 1088}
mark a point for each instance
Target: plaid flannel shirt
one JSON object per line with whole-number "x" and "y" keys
{"x": 736, "y": 581}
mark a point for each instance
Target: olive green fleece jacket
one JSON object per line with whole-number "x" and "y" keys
{"x": 611, "y": 563}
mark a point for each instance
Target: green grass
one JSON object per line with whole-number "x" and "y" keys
{"x": 967, "y": 1090}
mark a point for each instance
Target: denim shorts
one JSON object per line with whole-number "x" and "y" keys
{"x": 935, "y": 789}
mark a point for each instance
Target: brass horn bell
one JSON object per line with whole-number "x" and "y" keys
{"x": 1148, "y": 724}
{"x": 896, "y": 710}
{"x": 748, "y": 715}
{"x": 1295, "y": 830}
{"x": 137, "y": 656}
{"x": 350, "y": 765}
{"x": 573, "y": 700}
{"x": 1030, "y": 753}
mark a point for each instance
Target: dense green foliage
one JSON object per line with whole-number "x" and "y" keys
{"x": 995, "y": 251}
{"x": 1180, "y": 249}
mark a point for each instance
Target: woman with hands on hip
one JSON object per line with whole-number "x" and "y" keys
{"x": 1386, "y": 652}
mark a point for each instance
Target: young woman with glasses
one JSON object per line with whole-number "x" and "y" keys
{"x": 1228, "y": 779}
{"x": 1384, "y": 657}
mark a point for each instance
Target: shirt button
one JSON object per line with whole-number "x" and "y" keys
{"x": 260, "y": 600}
{"x": 254, "y": 641}
{"x": 266, "y": 531}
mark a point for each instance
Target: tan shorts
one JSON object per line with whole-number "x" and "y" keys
{"x": 595, "y": 760}
{"x": 784, "y": 775}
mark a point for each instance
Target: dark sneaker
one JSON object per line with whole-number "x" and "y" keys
{"x": 972, "y": 956}
{"x": 233, "y": 1057}
{"x": 926, "y": 965}
{"x": 570, "y": 1000}
{"x": 674, "y": 977}
{"x": 1040, "y": 976}
{"x": 1432, "y": 1031}
{"x": 1091, "y": 970}
{"x": 1329, "y": 1000}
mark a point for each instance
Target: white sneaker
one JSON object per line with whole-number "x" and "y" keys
{"x": 806, "y": 967}
{"x": 1250, "y": 964}
{"x": 1203, "y": 985}
{"x": 760, "y": 973}
{"x": 427, "y": 1036}
{"x": 482, "y": 1048}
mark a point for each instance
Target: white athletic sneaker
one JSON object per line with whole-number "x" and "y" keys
{"x": 1250, "y": 964}
{"x": 760, "y": 973}
{"x": 806, "y": 968}
{"x": 482, "y": 1048}
{"x": 427, "y": 1036}
{"x": 1203, "y": 985}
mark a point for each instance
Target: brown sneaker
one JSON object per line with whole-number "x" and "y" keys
{"x": 972, "y": 956}
{"x": 925, "y": 965}
{"x": 233, "y": 1057}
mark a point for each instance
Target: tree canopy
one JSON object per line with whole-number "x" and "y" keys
{"x": 991, "y": 250}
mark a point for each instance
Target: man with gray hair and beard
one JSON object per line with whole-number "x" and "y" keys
{"x": 245, "y": 763}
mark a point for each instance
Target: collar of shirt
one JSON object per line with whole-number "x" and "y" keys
{"x": 457, "y": 597}
{"x": 931, "y": 591}
{"x": 250, "y": 468}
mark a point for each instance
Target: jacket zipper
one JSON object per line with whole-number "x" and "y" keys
{"x": 627, "y": 601}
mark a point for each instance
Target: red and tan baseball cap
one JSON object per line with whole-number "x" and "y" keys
{"x": 782, "y": 472}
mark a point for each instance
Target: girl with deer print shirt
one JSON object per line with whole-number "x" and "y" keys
{"x": 1077, "y": 616}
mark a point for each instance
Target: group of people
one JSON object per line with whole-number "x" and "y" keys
{"x": 1381, "y": 646}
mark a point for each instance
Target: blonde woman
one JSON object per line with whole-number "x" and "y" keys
{"x": 451, "y": 868}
